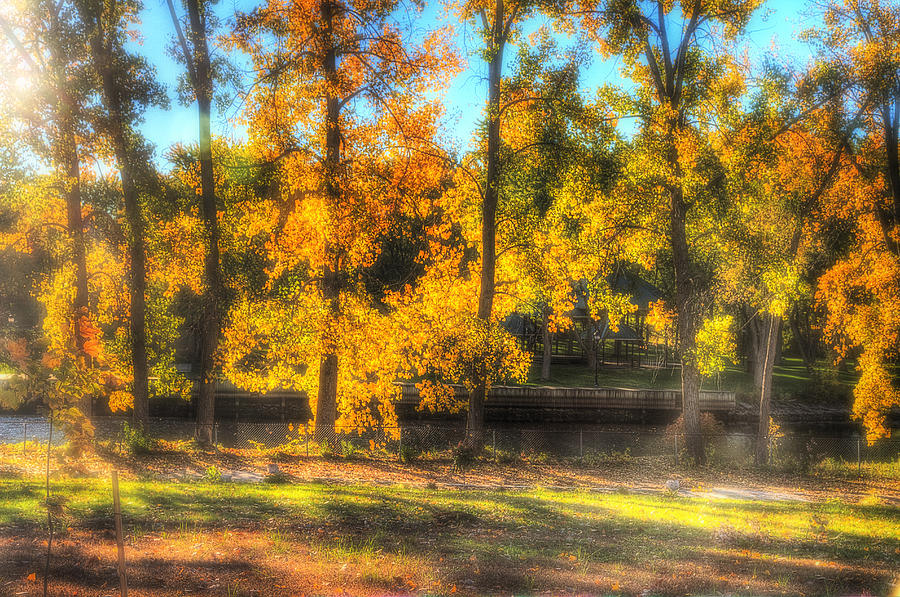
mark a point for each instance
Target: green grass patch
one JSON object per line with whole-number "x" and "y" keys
{"x": 390, "y": 510}
{"x": 789, "y": 377}
{"x": 525, "y": 541}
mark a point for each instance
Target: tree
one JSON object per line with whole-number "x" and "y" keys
{"x": 559, "y": 165}
{"x": 45, "y": 38}
{"x": 127, "y": 87}
{"x": 500, "y": 22}
{"x": 339, "y": 104}
{"x": 785, "y": 152}
{"x": 199, "y": 67}
{"x": 668, "y": 51}
{"x": 857, "y": 49}
{"x": 777, "y": 247}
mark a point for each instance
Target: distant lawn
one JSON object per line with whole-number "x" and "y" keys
{"x": 790, "y": 377}
{"x": 314, "y": 538}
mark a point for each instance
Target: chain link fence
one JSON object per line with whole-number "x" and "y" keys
{"x": 587, "y": 446}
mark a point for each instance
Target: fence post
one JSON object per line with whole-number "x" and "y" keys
{"x": 494, "y": 444}
{"x": 117, "y": 513}
{"x": 675, "y": 442}
{"x": 307, "y": 440}
{"x": 858, "y": 456}
{"x": 581, "y": 443}
{"x": 400, "y": 445}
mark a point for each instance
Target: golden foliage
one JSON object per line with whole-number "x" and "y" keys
{"x": 715, "y": 347}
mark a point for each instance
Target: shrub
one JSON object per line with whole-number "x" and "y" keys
{"x": 285, "y": 452}
{"x": 212, "y": 474}
{"x": 824, "y": 388}
{"x": 793, "y": 454}
{"x": 502, "y": 456}
{"x": 135, "y": 440}
{"x": 409, "y": 452}
{"x": 186, "y": 446}
{"x": 888, "y": 469}
{"x": 348, "y": 449}
{"x": 464, "y": 455}
{"x": 328, "y": 449}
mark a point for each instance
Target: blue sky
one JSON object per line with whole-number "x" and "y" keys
{"x": 774, "y": 28}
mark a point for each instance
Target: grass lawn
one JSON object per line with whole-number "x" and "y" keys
{"x": 789, "y": 377}
{"x": 320, "y": 538}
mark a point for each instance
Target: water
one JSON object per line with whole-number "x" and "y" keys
{"x": 13, "y": 429}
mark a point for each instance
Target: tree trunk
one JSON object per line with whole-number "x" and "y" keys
{"x": 687, "y": 309}
{"x": 690, "y": 393}
{"x": 758, "y": 330}
{"x": 548, "y": 349}
{"x": 214, "y": 292}
{"x": 892, "y": 166}
{"x": 64, "y": 151}
{"x": 590, "y": 345}
{"x": 805, "y": 345}
{"x": 326, "y": 410}
{"x": 475, "y": 420}
{"x": 779, "y": 347}
{"x": 140, "y": 387}
{"x": 773, "y": 331}
{"x": 326, "y": 400}
{"x": 138, "y": 279}
{"x": 75, "y": 224}
{"x": 69, "y": 160}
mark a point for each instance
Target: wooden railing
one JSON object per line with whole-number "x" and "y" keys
{"x": 586, "y": 398}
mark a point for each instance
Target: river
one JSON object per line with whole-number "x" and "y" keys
{"x": 13, "y": 429}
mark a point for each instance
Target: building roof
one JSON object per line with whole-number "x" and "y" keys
{"x": 642, "y": 293}
{"x": 625, "y": 332}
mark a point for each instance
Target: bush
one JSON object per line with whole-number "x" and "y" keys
{"x": 212, "y": 474}
{"x": 185, "y": 446}
{"x": 824, "y": 388}
{"x": 464, "y": 455}
{"x": 348, "y": 449}
{"x": 332, "y": 449}
{"x": 888, "y": 469}
{"x": 285, "y": 452}
{"x": 328, "y": 449}
{"x": 135, "y": 440}
{"x": 409, "y": 453}
{"x": 502, "y": 456}
{"x": 541, "y": 458}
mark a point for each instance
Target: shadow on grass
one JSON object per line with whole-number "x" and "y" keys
{"x": 520, "y": 542}
{"x": 74, "y": 564}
